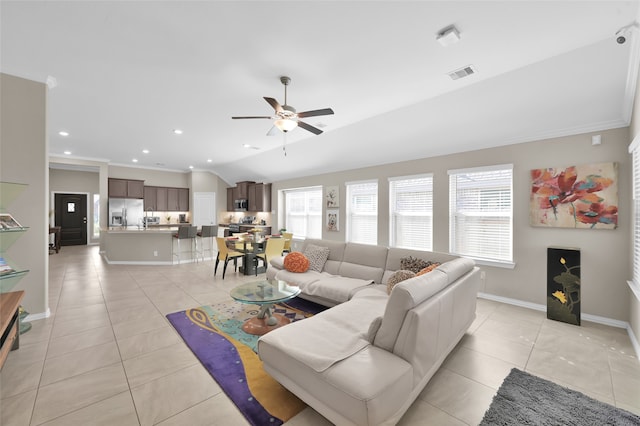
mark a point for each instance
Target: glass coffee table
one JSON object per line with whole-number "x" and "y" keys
{"x": 264, "y": 293}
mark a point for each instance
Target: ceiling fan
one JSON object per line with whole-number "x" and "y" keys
{"x": 286, "y": 118}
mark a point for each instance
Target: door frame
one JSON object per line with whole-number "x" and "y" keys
{"x": 52, "y": 212}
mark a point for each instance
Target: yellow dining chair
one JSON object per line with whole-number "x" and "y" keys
{"x": 225, "y": 255}
{"x": 273, "y": 249}
{"x": 288, "y": 237}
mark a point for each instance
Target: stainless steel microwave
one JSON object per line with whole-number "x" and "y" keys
{"x": 241, "y": 205}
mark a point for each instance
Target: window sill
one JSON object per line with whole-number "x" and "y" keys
{"x": 494, "y": 263}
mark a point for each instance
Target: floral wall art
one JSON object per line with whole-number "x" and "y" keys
{"x": 583, "y": 196}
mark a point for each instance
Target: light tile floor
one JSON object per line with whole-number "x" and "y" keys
{"x": 108, "y": 356}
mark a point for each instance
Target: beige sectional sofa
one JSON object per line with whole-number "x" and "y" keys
{"x": 365, "y": 360}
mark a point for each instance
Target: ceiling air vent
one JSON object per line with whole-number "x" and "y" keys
{"x": 462, "y": 72}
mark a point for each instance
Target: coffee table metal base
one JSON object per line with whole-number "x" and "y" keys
{"x": 264, "y": 322}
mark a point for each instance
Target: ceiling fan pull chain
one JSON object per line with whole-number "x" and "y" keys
{"x": 284, "y": 144}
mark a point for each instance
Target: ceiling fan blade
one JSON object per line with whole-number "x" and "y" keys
{"x": 255, "y": 116}
{"x": 273, "y": 131}
{"x": 309, "y": 127}
{"x": 325, "y": 111}
{"x": 274, "y": 104}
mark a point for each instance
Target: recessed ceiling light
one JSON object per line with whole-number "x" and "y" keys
{"x": 135, "y": 160}
{"x": 191, "y": 167}
{"x": 209, "y": 160}
{"x": 145, "y": 151}
{"x": 63, "y": 133}
{"x": 67, "y": 153}
{"x": 177, "y": 131}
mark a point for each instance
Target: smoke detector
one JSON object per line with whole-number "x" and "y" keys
{"x": 448, "y": 36}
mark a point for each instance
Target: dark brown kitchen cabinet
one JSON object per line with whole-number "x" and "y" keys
{"x": 230, "y": 199}
{"x": 125, "y": 188}
{"x": 150, "y": 199}
{"x": 162, "y": 199}
{"x": 183, "y": 199}
{"x": 242, "y": 190}
{"x": 260, "y": 197}
{"x": 172, "y": 199}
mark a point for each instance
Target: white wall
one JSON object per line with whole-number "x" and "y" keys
{"x": 605, "y": 259}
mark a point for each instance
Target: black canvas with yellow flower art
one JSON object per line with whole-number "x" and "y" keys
{"x": 563, "y": 284}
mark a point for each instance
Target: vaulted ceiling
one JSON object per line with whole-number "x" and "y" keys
{"x": 124, "y": 75}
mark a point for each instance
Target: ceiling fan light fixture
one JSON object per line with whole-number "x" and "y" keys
{"x": 285, "y": 124}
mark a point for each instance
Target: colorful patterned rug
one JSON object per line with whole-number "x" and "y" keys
{"x": 214, "y": 334}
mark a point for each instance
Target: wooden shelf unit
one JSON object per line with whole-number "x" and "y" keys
{"x": 9, "y": 323}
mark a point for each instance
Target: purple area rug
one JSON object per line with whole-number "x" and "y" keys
{"x": 214, "y": 334}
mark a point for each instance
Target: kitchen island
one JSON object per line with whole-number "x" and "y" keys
{"x": 140, "y": 246}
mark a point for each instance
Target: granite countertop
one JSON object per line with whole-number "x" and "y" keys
{"x": 136, "y": 230}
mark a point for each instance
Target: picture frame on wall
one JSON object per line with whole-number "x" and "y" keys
{"x": 580, "y": 197}
{"x": 333, "y": 220}
{"x": 332, "y": 196}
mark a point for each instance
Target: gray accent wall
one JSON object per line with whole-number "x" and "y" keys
{"x": 24, "y": 159}
{"x": 606, "y": 263}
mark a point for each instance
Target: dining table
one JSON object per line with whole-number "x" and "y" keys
{"x": 250, "y": 244}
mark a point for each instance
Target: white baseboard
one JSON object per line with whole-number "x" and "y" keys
{"x": 587, "y": 317}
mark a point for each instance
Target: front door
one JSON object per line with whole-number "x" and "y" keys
{"x": 71, "y": 216}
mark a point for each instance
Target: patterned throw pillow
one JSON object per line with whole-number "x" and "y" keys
{"x": 397, "y": 277}
{"x": 317, "y": 256}
{"x": 413, "y": 264}
{"x": 429, "y": 268}
{"x": 296, "y": 262}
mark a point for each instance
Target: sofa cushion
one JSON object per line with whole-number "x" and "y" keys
{"x": 336, "y": 253}
{"x": 363, "y": 261}
{"x": 317, "y": 256}
{"x": 404, "y": 297}
{"x": 296, "y": 262}
{"x": 334, "y": 287}
{"x": 398, "y": 277}
{"x": 456, "y": 268}
{"x": 301, "y": 280}
{"x": 330, "y": 336}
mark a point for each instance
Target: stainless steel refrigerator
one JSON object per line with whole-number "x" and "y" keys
{"x": 126, "y": 212}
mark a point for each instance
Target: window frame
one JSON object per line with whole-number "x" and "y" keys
{"x": 349, "y": 226}
{"x": 634, "y": 282}
{"x": 317, "y": 216}
{"x": 393, "y": 212}
{"x": 454, "y": 211}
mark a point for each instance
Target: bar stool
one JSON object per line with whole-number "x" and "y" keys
{"x": 207, "y": 232}
{"x": 185, "y": 233}
{"x": 193, "y": 236}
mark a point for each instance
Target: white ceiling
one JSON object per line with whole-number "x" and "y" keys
{"x": 128, "y": 73}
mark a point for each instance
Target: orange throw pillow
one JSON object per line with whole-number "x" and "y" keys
{"x": 296, "y": 262}
{"x": 428, "y": 268}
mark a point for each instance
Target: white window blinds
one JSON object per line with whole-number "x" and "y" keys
{"x": 411, "y": 212}
{"x": 362, "y": 212}
{"x": 480, "y": 213}
{"x": 303, "y": 209}
{"x": 635, "y": 152}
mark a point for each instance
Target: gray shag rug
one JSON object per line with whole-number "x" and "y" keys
{"x": 524, "y": 399}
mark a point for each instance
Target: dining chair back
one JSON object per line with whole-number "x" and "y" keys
{"x": 225, "y": 255}
{"x": 288, "y": 238}
{"x": 272, "y": 249}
